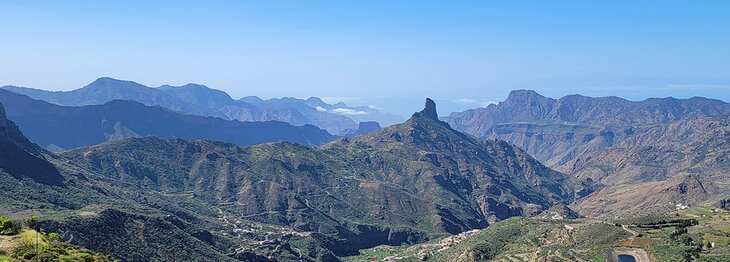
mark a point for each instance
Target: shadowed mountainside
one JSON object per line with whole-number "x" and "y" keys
{"x": 21, "y": 158}
{"x": 70, "y": 127}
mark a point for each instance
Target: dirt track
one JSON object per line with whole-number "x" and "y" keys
{"x": 639, "y": 254}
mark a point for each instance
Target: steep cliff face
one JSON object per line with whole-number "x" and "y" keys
{"x": 21, "y": 158}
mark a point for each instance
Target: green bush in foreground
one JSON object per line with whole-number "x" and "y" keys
{"x": 8, "y": 227}
{"x": 29, "y": 244}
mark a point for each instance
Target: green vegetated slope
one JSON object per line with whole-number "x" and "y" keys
{"x": 20, "y": 241}
{"x": 150, "y": 199}
{"x": 401, "y": 185}
{"x": 696, "y": 234}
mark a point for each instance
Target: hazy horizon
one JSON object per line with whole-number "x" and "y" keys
{"x": 384, "y": 54}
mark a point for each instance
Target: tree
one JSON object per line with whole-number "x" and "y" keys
{"x": 685, "y": 239}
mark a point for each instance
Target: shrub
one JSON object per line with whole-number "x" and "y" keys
{"x": 54, "y": 236}
{"x": 9, "y": 227}
{"x": 86, "y": 257}
{"x": 5, "y": 223}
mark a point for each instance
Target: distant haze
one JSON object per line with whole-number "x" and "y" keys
{"x": 386, "y": 54}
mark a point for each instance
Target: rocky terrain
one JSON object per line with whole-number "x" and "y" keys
{"x": 630, "y": 157}
{"x": 404, "y": 184}
{"x": 683, "y": 162}
{"x": 557, "y": 130}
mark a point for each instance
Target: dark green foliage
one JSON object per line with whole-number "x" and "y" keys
{"x": 32, "y": 222}
{"x": 599, "y": 234}
{"x": 54, "y": 236}
{"x": 151, "y": 238}
{"x": 9, "y": 227}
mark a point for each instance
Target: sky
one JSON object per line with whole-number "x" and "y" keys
{"x": 388, "y": 54}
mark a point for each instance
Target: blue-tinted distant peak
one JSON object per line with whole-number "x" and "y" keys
{"x": 108, "y": 82}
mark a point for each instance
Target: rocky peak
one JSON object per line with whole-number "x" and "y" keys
{"x": 430, "y": 109}
{"x": 523, "y": 94}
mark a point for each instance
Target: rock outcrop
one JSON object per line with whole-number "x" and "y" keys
{"x": 361, "y": 129}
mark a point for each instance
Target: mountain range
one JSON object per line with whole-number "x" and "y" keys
{"x": 637, "y": 156}
{"x": 404, "y": 184}
{"x": 141, "y": 182}
{"x": 66, "y": 127}
{"x": 200, "y": 100}
{"x": 557, "y": 130}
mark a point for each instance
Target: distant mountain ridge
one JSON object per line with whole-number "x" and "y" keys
{"x": 556, "y": 130}
{"x": 201, "y": 100}
{"x": 631, "y": 157}
{"x": 70, "y": 127}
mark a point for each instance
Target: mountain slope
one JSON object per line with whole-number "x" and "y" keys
{"x": 557, "y": 130}
{"x": 196, "y": 99}
{"x": 82, "y": 206}
{"x": 22, "y": 159}
{"x": 683, "y": 162}
{"x": 71, "y": 127}
{"x": 403, "y": 184}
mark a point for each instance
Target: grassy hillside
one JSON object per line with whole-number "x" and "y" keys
{"x": 20, "y": 242}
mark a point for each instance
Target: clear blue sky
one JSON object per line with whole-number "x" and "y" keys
{"x": 386, "y": 53}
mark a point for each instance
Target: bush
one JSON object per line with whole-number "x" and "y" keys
{"x": 86, "y": 257}
{"x": 5, "y": 223}
{"x": 8, "y": 227}
{"x": 54, "y": 236}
